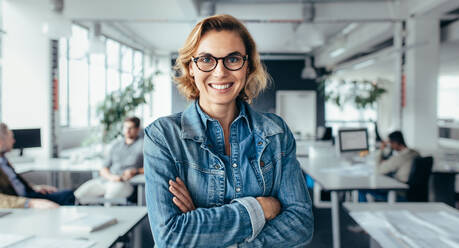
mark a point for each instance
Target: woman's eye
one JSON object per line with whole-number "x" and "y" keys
{"x": 206, "y": 59}
{"x": 233, "y": 59}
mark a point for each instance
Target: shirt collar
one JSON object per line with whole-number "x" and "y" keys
{"x": 194, "y": 124}
{"x": 205, "y": 118}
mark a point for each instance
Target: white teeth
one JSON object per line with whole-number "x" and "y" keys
{"x": 220, "y": 86}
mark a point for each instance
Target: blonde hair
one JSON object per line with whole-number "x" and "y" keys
{"x": 257, "y": 77}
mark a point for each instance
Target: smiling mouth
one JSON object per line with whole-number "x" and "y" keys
{"x": 221, "y": 86}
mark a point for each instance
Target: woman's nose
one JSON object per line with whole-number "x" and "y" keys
{"x": 220, "y": 69}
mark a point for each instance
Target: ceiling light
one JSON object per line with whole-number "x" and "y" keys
{"x": 349, "y": 28}
{"x": 96, "y": 42}
{"x": 56, "y": 25}
{"x": 364, "y": 64}
{"x": 308, "y": 71}
{"x": 337, "y": 52}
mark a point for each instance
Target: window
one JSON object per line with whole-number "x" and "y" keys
{"x": 78, "y": 78}
{"x": 85, "y": 79}
{"x": 448, "y": 98}
{"x": 348, "y": 116}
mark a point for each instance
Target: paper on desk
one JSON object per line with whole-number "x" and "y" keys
{"x": 7, "y": 239}
{"x": 407, "y": 229}
{"x": 41, "y": 242}
{"x": 88, "y": 223}
{"x": 443, "y": 223}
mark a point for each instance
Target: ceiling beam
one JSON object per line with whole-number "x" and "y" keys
{"x": 359, "y": 40}
{"x": 436, "y": 8}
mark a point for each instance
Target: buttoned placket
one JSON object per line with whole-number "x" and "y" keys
{"x": 234, "y": 160}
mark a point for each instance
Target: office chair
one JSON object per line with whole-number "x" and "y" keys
{"x": 421, "y": 168}
{"x": 324, "y": 133}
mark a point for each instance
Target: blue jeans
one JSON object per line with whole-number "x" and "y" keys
{"x": 63, "y": 197}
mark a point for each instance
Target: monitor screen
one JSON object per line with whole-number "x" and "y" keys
{"x": 27, "y": 138}
{"x": 351, "y": 140}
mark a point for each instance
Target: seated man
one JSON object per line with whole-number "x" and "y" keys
{"x": 125, "y": 160}
{"x": 11, "y": 201}
{"x": 396, "y": 164}
{"x": 13, "y": 184}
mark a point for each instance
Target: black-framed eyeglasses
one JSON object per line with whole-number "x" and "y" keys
{"x": 232, "y": 62}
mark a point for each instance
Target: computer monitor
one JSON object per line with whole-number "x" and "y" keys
{"x": 352, "y": 140}
{"x": 26, "y": 138}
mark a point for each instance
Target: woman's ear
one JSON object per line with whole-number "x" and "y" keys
{"x": 190, "y": 69}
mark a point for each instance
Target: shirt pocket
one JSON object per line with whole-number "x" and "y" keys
{"x": 266, "y": 178}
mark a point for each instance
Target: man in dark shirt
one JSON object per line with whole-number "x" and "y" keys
{"x": 13, "y": 184}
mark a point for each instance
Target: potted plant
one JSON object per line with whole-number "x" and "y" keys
{"x": 117, "y": 105}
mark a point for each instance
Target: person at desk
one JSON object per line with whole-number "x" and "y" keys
{"x": 11, "y": 201}
{"x": 124, "y": 161}
{"x": 13, "y": 184}
{"x": 398, "y": 162}
{"x": 221, "y": 174}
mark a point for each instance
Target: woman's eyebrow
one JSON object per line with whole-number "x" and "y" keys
{"x": 207, "y": 54}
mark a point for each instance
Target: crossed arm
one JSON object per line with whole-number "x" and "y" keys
{"x": 176, "y": 221}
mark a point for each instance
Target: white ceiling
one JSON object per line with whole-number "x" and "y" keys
{"x": 287, "y": 26}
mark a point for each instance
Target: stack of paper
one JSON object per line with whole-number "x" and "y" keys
{"x": 41, "y": 242}
{"x": 88, "y": 223}
{"x": 7, "y": 240}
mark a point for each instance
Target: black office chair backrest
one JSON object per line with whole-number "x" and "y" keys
{"x": 328, "y": 134}
{"x": 421, "y": 168}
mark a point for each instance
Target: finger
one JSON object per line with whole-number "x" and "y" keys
{"x": 180, "y": 205}
{"x": 179, "y": 181}
{"x": 183, "y": 190}
{"x": 185, "y": 200}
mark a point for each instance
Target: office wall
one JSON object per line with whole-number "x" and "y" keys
{"x": 286, "y": 75}
{"x": 26, "y": 69}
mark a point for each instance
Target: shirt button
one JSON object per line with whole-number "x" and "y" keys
{"x": 238, "y": 189}
{"x": 217, "y": 166}
{"x": 234, "y": 165}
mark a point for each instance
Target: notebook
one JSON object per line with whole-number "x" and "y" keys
{"x": 7, "y": 240}
{"x": 2, "y": 213}
{"x": 88, "y": 223}
{"x": 45, "y": 242}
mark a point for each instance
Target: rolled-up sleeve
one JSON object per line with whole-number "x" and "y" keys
{"x": 257, "y": 216}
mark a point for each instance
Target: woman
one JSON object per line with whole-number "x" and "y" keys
{"x": 220, "y": 174}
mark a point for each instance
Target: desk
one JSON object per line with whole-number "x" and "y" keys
{"x": 46, "y": 223}
{"x": 381, "y": 233}
{"x": 139, "y": 181}
{"x": 56, "y": 165}
{"x": 319, "y": 166}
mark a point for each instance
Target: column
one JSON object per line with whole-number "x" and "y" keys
{"x": 419, "y": 114}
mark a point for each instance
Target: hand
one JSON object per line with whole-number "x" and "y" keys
{"x": 383, "y": 145}
{"x": 270, "y": 205}
{"x": 42, "y": 204}
{"x": 182, "y": 198}
{"x": 128, "y": 174}
{"x": 115, "y": 178}
{"x": 44, "y": 189}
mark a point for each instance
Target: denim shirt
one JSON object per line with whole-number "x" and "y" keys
{"x": 182, "y": 145}
{"x": 239, "y": 173}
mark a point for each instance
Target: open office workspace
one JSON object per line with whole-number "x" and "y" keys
{"x": 214, "y": 123}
